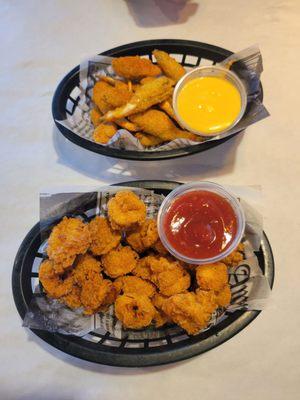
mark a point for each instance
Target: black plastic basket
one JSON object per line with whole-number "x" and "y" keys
{"x": 189, "y": 53}
{"x": 107, "y": 349}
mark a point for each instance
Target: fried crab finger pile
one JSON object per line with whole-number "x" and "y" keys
{"x": 120, "y": 260}
{"x": 139, "y": 100}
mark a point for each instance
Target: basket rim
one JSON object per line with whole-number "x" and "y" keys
{"x": 59, "y": 115}
{"x": 131, "y": 357}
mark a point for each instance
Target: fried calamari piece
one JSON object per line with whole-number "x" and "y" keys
{"x": 234, "y": 258}
{"x": 134, "y": 311}
{"x": 54, "y": 285}
{"x": 169, "y": 276}
{"x": 107, "y": 97}
{"x": 95, "y": 115}
{"x": 144, "y": 236}
{"x": 134, "y": 67}
{"x": 68, "y": 239}
{"x": 103, "y": 237}
{"x": 188, "y": 311}
{"x": 104, "y": 132}
{"x": 212, "y": 276}
{"x": 143, "y": 268}
{"x": 157, "y": 123}
{"x": 170, "y": 67}
{"x": 120, "y": 261}
{"x": 86, "y": 269}
{"x": 223, "y": 297}
{"x": 72, "y": 299}
{"x": 148, "y": 140}
{"x": 144, "y": 97}
{"x": 94, "y": 293}
{"x": 126, "y": 210}
{"x": 133, "y": 284}
{"x": 160, "y": 318}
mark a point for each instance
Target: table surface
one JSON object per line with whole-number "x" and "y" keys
{"x": 41, "y": 41}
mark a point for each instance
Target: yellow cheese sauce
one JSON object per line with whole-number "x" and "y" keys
{"x": 209, "y": 104}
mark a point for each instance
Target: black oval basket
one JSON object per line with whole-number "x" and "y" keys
{"x": 189, "y": 53}
{"x": 107, "y": 349}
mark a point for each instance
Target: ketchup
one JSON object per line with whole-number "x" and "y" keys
{"x": 200, "y": 224}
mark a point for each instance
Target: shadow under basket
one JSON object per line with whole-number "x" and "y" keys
{"x": 173, "y": 345}
{"x": 188, "y": 53}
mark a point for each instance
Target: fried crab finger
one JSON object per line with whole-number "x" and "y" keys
{"x": 170, "y": 67}
{"x": 134, "y": 67}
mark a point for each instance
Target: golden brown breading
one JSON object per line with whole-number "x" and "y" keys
{"x": 104, "y": 132}
{"x": 103, "y": 237}
{"x": 72, "y": 299}
{"x": 223, "y": 297}
{"x": 170, "y": 67}
{"x": 166, "y": 106}
{"x": 94, "y": 293}
{"x": 160, "y": 248}
{"x": 234, "y": 258}
{"x": 170, "y": 277}
{"x": 86, "y": 268}
{"x": 125, "y": 124}
{"x": 144, "y": 236}
{"x": 134, "y": 67}
{"x": 188, "y": 311}
{"x": 143, "y": 269}
{"x": 134, "y": 311}
{"x": 212, "y": 276}
{"x": 133, "y": 284}
{"x": 120, "y": 261}
{"x": 107, "y": 97}
{"x": 53, "y": 284}
{"x": 160, "y": 318}
{"x": 68, "y": 239}
{"x": 148, "y": 140}
{"x": 95, "y": 115}
{"x": 207, "y": 299}
{"x": 157, "y": 123}
{"x": 144, "y": 97}
{"x": 126, "y": 210}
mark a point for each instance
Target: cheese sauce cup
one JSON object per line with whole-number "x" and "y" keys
{"x": 200, "y": 223}
{"x": 209, "y": 101}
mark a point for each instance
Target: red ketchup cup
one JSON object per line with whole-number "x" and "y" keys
{"x": 200, "y": 223}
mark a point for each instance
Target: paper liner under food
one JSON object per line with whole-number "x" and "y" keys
{"x": 79, "y": 122}
{"x": 249, "y": 287}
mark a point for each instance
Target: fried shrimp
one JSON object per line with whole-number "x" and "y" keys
{"x": 157, "y": 123}
{"x": 86, "y": 269}
{"x": 103, "y": 237}
{"x": 143, "y": 269}
{"x": 212, "y": 276}
{"x": 188, "y": 311}
{"x": 170, "y": 67}
{"x": 126, "y": 210}
{"x": 54, "y": 285}
{"x": 72, "y": 299}
{"x": 94, "y": 293}
{"x": 160, "y": 318}
{"x": 133, "y": 284}
{"x": 144, "y": 236}
{"x": 68, "y": 239}
{"x": 134, "y": 67}
{"x": 120, "y": 261}
{"x": 134, "y": 311}
{"x": 144, "y": 97}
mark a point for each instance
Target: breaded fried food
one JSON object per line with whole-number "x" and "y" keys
{"x": 144, "y": 236}
{"x": 160, "y": 318}
{"x": 120, "y": 261}
{"x": 125, "y": 124}
{"x": 104, "y": 132}
{"x": 207, "y": 299}
{"x": 234, "y": 258}
{"x": 95, "y": 115}
{"x": 188, "y": 311}
{"x": 68, "y": 239}
{"x": 111, "y": 295}
{"x": 134, "y": 311}
{"x": 134, "y": 67}
{"x": 72, "y": 299}
{"x": 157, "y": 123}
{"x": 94, "y": 293}
{"x": 148, "y": 140}
{"x": 133, "y": 284}
{"x": 86, "y": 268}
{"x": 170, "y": 67}
{"x": 212, "y": 276}
{"x": 160, "y": 248}
{"x": 103, "y": 237}
{"x": 107, "y": 97}
{"x": 54, "y": 285}
{"x": 143, "y": 268}
{"x": 144, "y": 97}
{"x": 126, "y": 211}
{"x": 169, "y": 276}
{"x": 166, "y": 106}
{"x": 223, "y": 297}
